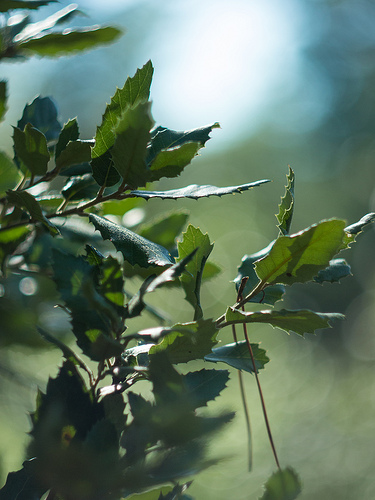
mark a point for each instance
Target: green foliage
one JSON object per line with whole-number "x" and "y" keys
{"x": 95, "y": 435}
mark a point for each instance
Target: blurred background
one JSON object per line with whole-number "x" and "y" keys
{"x": 290, "y": 83}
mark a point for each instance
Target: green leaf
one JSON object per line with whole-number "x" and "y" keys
{"x": 337, "y": 269}
{"x": 9, "y": 173}
{"x": 135, "y": 90}
{"x": 284, "y": 484}
{"x": 42, "y": 114}
{"x": 354, "y": 229}
{"x": 69, "y": 41}
{"x": 270, "y": 294}
{"x": 22, "y": 484}
{"x": 299, "y": 257}
{"x": 3, "y": 99}
{"x": 164, "y": 229}
{"x": 136, "y": 305}
{"x": 69, "y": 132}
{"x": 171, "y": 162}
{"x": 23, "y": 199}
{"x": 6, "y": 5}
{"x": 129, "y": 149}
{"x": 195, "y": 192}
{"x": 237, "y": 355}
{"x": 164, "y": 139}
{"x": 95, "y": 319}
{"x": 30, "y": 146}
{"x": 75, "y": 153}
{"x": 301, "y": 321}
{"x": 135, "y": 249}
{"x": 9, "y": 241}
{"x": 112, "y": 282}
{"x": 80, "y": 188}
{"x": 286, "y": 206}
{"x": 189, "y": 341}
{"x": 205, "y": 385}
{"x": 193, "y": 238}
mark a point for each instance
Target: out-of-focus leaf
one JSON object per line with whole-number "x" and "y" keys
{"x": 337, "y": 269}
{"x": 301, "y": 321}
{"x": 3, "y": 99}
{"x": 205, "y": 385}
{"x": 195, "y": 192}
{"x": 284, "y": 484}
{"x": 112, "y": 282}
{"x": 178, "y": 493}
{"x": 9, "y": 173}
{"x": 6, "y": 5}
{"x": 299, "y": 257}
{"x": 72, "y": 40}
{"x": 34, "y": 30}
{"x": 270, "y": 294}
{"x": 9, "y": 241}
{"x": 165, "y": 229}
{"x": 191, "y": 280}
{"x": 22, "y": 485}
{"x": 80, "y": 188}
{"x": 135, "y": 249}
{"x": 135, "y": 90}
{"x": 69, "y": 132}
{"x": 191, "y": 341}
{"x": 132, "y": 133}
{"x": 23, "y": 199}
{"x": 30, "y": 146}
{"x": 286, "y": 206}
{"x": 42, "y": 114}
{"x": 237, "y": 355}
{"x": 354, "y": 229}
{"x": 163, "y": 139}
{"x": 75, "y": 153}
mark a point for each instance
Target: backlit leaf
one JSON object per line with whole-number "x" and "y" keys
{"x": 9, "y": 241}
{"x": 171, "y": 162}
{"x": 135, "y": 90}
{"x": 23, "y": 199}
{"x": 301, "y": 321}
{"x": 30, "y": 146}
{"x": 80, "y": 188}
{"x": 165, "y": 228}
{"x": 9, "y": 173}
{"x": 237, "y": 355}
{"x": 195, "y": 192}
{"x": 191, "y": 280}
{"x": 69, "y": 132}
{"x": 286, "y": 206}
{"x": 74, "y": 153}
{"x": 299, "y": 257}
{"x": 284, "y": 484}
{"x": 3, "y": 99}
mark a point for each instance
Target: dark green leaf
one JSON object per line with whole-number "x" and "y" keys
{"x": 164, "y": 139}
{"x": 22, "y": 485}
{"x": 237, "y": 355}
{"x": 194, "y": 191}
{"x": 23, "y": 199}
{"x": 135, "y": 90}
{"x": 42, "y": 114}
{"x": 132, "y": 133}
{"x": 301, "y": 321}
{"x": 337, "y": 269}
{"x": 189, "y": 341}
{"x": 9, "y": 241}
{"x": 270, "y": 294}
{"x": 9, "y": 173}
{"x": 171, "y": 162}
{"x": 178, "y": 493}
{"x": 135, "y": 249}
{"x": 30, "y": 146}
{"x": 75, "y": 153}
{"x": 205, "y": 385}
{"x": 191, "y": 281}
{"x": 299, "y": 257}
{"x": 80, "y": 188}
{"x": 164, "y": 229}
{"x": 282, "y": 485}
{"x": 6, "y": 5}
{"x": 69, "y": 41}
{"x": 3, "y": 99}
{"x": 286, "y": 206}
{"x": 69, "y": 132}
{"x": 112, "y": 282}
